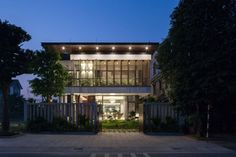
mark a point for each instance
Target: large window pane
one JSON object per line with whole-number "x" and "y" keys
{"x": 132, "y": 77}
{"x": 124, "y": 77}
{"x": 117, "y": 77}
{"x": 117, "y": 65}
{"x": 145, "y": 73}
{"x": 103, "y": 65}
{"x": 139, "y": 72}
{"x": 110, "y": 77}
{"x": 108, "y": 73}
{"x": 103, "y": 78}
{"x": 124, "y": 65}
{"x": 110, "y": 65}
{"x": 131, "y": 65}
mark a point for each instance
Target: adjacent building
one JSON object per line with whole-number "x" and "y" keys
{"x": 159, "y": 86}
{"x": 14, "y": 89}
{"x": 114, "y": 75}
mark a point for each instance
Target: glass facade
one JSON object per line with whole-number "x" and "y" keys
{"x": 85, "y": 73}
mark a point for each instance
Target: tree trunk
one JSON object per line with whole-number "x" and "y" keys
{"x": 198, "y": 121}
{"x": 6, "y": 118}
{"x": 49, "y": 99}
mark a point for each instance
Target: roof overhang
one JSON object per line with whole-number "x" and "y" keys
{"x": 103, "y": 47}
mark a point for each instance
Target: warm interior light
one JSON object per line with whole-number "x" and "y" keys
{"x": 113, "y": 48}
{"x": 146, "y": 48}
{"x": 83, "y": 65}
{"x": 97, "y": 48}
{"x": 80, "y": 48}
{"x": 63, "y": 48}
{"x": 112, "y": 101}
{"x": 130, "y": 48}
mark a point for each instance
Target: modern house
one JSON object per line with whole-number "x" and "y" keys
{"x": 114, "y": 75}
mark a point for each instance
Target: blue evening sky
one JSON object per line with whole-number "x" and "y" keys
{"x": 88, "y": 21}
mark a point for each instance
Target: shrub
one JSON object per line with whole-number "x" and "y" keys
{"x": 37, "y": 125}
{"x": 156, "y": 123}
{"x": 169, "y": 125}
{"x": 83, "y": 121}
{"x": 132, "y": 115}
{"x": 61, "y": 124}
{"x": 58, "y": 125}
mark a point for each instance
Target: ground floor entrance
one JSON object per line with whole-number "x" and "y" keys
{"x": 110, "y": 107}
{"x": 117, "y": 107}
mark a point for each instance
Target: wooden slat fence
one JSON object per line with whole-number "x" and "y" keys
{"x": 159, "y": 111}
{"x": 72, "y": 112}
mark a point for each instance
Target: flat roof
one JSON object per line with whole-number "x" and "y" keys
{"x": 103, "y": 47}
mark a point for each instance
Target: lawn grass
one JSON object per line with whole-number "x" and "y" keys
{"x": 120, "y": 124}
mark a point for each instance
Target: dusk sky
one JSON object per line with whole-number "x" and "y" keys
{"x": 88, "y": 21}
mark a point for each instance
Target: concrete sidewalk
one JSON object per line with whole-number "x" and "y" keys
{"x": 107, "y": 142}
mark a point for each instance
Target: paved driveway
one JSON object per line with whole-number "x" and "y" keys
{"x": 107, "y": 142}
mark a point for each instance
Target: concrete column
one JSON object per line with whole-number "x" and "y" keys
{"x": 126, "y": 108}
{"x": 25, "y": 111}
{"x": 65, "y": 99}
{"x": 61, "y": 99}
{"x": 73, "y": 98}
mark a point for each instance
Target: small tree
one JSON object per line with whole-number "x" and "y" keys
{"x": 51, "y": 75}
{"x": 13, "y": 62}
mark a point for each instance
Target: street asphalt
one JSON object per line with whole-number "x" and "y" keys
{"x": 118, "y": 155}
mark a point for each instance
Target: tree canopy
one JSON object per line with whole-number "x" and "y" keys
{"x": 13, "y": 61}
{"x": 198, "y": 57}
{"x": 51, "y": 75}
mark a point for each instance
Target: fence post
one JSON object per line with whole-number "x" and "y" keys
{"x": 25, "y": 111}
